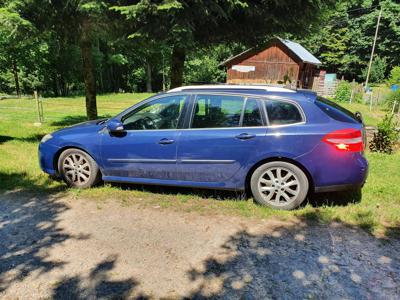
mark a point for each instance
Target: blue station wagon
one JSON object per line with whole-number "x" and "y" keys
{"x": 279, "y": 144}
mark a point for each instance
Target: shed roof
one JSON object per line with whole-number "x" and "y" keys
{"x": 298, "y": 50}
{"x": 301, "y": 52}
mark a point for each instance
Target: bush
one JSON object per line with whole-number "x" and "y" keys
{"x": 394, "y": 76}
{"x": 392, "y": 98}
{"x": 357, "y": 97}
{"x": 386, "y": 137}
{"x": 343, "y": 91}
{"x": 378, "y": 70}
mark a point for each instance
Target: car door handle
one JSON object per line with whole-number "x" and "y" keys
{"x": 166, "y": 141}
{"x": 245, "y": 136}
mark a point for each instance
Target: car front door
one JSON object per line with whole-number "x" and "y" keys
{"x": 223, "y": 134}
{"x": 147, "y": 147}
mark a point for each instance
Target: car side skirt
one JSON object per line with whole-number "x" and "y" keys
{"x": 180, "y": 183}
{"x": 336, "y": 188}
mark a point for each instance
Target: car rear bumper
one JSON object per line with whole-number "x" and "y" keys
{"x": 333, "y": 170}
{"x": 337, "y": 188}
{"x": 357, "y": 176}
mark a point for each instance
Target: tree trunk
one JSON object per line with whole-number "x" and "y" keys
{"x": 55, "y": 85}
{"x": 177, "y": 63}
{"x": 88, "y": 70}
{"x": 149, "y": 88}
{"x": 16, "y": 78}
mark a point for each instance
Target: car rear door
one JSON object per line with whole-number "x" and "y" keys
{"x": 223, "y": 133}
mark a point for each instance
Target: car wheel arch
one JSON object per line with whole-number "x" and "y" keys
{"x": 61, "y": 150}
{"x": 279, "y": 158}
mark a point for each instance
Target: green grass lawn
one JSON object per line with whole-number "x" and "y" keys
{"x": 378, "y": 210}
{"x": 371, "y": 117}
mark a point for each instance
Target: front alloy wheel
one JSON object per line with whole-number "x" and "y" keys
{"x": 78, "y": 169}
{"x": 279, "y": 185}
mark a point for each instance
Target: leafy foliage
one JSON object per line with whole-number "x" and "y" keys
{"x": 144, "y": 45}
{"x": 392, "y": 98}
{"x": 344, "y": 40}
{"x": 202, "y": 66}
{"x": 19, "y": 50}
{"x": 387, "y": 135}
{"x": 394, "y": 77}
{"x": 343, "y": 91}
{"x": 378, "y": 70}
{"x": 201, "y": 24}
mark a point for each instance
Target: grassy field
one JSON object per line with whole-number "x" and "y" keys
{"x": 371, "y": 117}
{"x": 377, "y": 210}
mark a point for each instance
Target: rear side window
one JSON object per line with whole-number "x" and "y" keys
{"x": 335, "y": 111}
{"x": 282, "y": 112}
{"x": 252, "y": 114}
{"x": 216, "y": 111}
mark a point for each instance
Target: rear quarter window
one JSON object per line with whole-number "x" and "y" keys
{"x": 282, "y": 112}
{"x": 335, "y": 111}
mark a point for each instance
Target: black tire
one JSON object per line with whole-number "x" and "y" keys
{"x": 74, "y": 165}
{"x": 268, "y": 189}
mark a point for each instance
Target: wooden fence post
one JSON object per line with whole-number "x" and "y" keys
{"x": 378, "y": 97}
{"x": 353, "y": 87}
{"x": 352, "y": 93}
{"x": 370, "y": 101}
{"x": 39, "y": 108}
{"x": 394, "y": 107}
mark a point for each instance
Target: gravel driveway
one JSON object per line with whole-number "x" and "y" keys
{"x": 75, "y": 249}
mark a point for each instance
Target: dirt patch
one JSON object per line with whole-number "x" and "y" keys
{"x": 71, "y": 248}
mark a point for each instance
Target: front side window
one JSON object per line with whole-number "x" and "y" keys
{"x": 163, "y": 113}
{"x": 217, "y": 111}
{"x": 282, "y": 113}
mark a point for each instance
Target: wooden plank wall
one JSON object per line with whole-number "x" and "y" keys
{"x": 271, "y": 66}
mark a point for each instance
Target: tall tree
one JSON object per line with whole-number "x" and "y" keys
{"x": 345, "y": 39}
{"x": 76, "y": 22}
{"x": 86, "y": 15}
{"x": 185, "y": 25}
{"x": 17, "y": 45}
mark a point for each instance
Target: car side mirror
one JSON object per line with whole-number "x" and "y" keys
{"x": 115, "y": 126}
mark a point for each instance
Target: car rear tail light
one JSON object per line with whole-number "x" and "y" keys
{"x": 350, "y": 140}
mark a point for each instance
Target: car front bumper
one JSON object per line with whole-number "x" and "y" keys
{"x": 47, "y": 153}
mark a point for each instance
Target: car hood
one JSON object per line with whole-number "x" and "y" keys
{"x": 87, "y": 126}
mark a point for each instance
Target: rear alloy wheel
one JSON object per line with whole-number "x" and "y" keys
{"x": 78, "y": 169}
{"x": 280, "y": 185}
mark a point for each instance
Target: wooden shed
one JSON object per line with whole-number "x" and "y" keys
{"x": 280, "y": 61}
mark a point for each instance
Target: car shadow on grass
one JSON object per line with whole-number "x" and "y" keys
{"x": 342, "y": 198}
{"x": 321, "y": 204}
{"x": 176, "y": 190}
{"x": 314, "y": 199}
{"x": 300, "y": 261}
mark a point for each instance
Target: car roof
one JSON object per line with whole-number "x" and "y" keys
{"x": 262, "y": 89}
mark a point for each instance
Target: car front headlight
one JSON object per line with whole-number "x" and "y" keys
{"x": 46, "y": 138}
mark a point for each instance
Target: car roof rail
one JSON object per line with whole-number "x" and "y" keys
{"x": 265, "y": 87}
